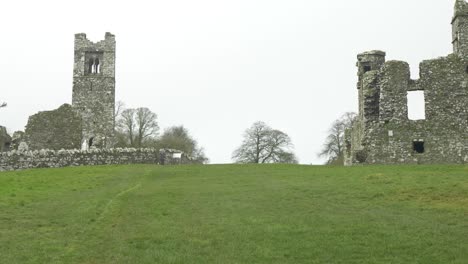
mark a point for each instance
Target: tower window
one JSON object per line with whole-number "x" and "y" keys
{"x": 367, "y": 68}
{"x": 93, "y": 62}
{"x": 90, "y": 65}
{"x": 97, "y": 68}
{"x": 93, "y": 66}
{"x": 418, "y": 146}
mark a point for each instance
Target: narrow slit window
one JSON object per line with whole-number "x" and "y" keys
{"x": 416, "y": 105}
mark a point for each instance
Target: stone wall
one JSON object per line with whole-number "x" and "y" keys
{"x": 383, "y": 133}
{"x": 19, "y": 160}
{"x": 388, "y": 136}
{"x": 173, "y": 157}
{"x": 56, "y": 129}
{"x": 5, "y": 140}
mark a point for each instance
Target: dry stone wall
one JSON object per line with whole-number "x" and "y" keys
{"x": 19, "y": 160}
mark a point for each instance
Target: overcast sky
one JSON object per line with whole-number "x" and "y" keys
{"x": 217, "y": 66}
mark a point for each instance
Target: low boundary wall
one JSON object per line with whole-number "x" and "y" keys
{"x": 19, "y": 160}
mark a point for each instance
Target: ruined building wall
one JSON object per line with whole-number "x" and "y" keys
{"x": 383, "y": 133}
{"x": 5, "y": 139}
{"x": 56, "y": 129}
{"x": 94, "y": 89}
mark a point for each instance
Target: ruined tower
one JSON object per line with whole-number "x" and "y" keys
{"x": 460, "y": 28}
{"x": 94, "y": 89}
{"x": 384, "y": 133}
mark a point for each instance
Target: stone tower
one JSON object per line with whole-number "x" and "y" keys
{"x": 460, "y": 28}
{"x": 94, "y": 89}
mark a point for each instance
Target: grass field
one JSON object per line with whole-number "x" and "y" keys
{"x": 235, "y": 214}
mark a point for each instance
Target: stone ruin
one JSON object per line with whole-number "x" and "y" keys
{"x": 56, "y": 129}
{"x": 383, "y": 134}
{"x": 5, "y": 140}
{"x": 94, "y": 90}
{"x": 81, "y": 133}
{"x": 89, "y": 121}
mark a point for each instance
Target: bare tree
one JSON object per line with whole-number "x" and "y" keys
{"x": 333, "y": 148}
{"x": 147, "y": 125}
{"x": 135, "y": 126}
{"x": 262, "y": 144}
{"x": 119, "y": 107}
{"x": 127, "y": 126}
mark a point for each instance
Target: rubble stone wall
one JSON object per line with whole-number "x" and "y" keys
{"x": 20, "y": 160}
{"x": 56, "y": 129}
{"x": 383, "y": 133}
{"x": 5, "y": 139}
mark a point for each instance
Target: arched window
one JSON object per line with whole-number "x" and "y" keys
{"x": 97, "y": 68}
{"x": 90, "y": 143}
{"x": 93, "y": 62}
{"x": 90, "y": 65}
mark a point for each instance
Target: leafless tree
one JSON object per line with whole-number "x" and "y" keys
{"x": 147, "y": 125}
{"x": 136, "y": 125}
{"x": 127, "y": 126}
{"x": 262, "y": 144}
{"x": 333, "y": 148}
{"x": 119, "y": 107}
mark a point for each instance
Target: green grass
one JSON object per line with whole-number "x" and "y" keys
{"x": 235, "y": 214}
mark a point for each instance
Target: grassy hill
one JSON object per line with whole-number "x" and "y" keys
{"x": 235, "y": 214}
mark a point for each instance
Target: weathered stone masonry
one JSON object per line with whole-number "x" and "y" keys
{"x": 383, "y": 133}
{"x": 56, "y": 129}
{"x": 18, "y": 160}
{"x": 94, "y": 89}
{"x": 5, "y": 139}
{"x": 90, "y": 121}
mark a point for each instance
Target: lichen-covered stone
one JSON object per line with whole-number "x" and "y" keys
{"x": 383, "y": 133}
{"x": 94, "y": 89}
{"x": 56, "y": 129}
{"x": 5, "y": 140}
{"x": 46, "y": 158}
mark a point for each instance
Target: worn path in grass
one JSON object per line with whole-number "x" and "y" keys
{"x": 235, "y": 214}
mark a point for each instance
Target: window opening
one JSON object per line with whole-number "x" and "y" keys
{"x": 96, "y": 66}
{"x": 418, "y": 146}
{"x": 90, "y": 65}
{"x": 416, "y": 105}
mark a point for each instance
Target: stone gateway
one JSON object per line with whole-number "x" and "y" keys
{"x": 383, "y": 133}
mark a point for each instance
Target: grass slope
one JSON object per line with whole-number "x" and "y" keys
{"x": 235, "y": 214}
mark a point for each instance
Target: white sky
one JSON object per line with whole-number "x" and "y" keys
{"x": 217, "y": 66}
